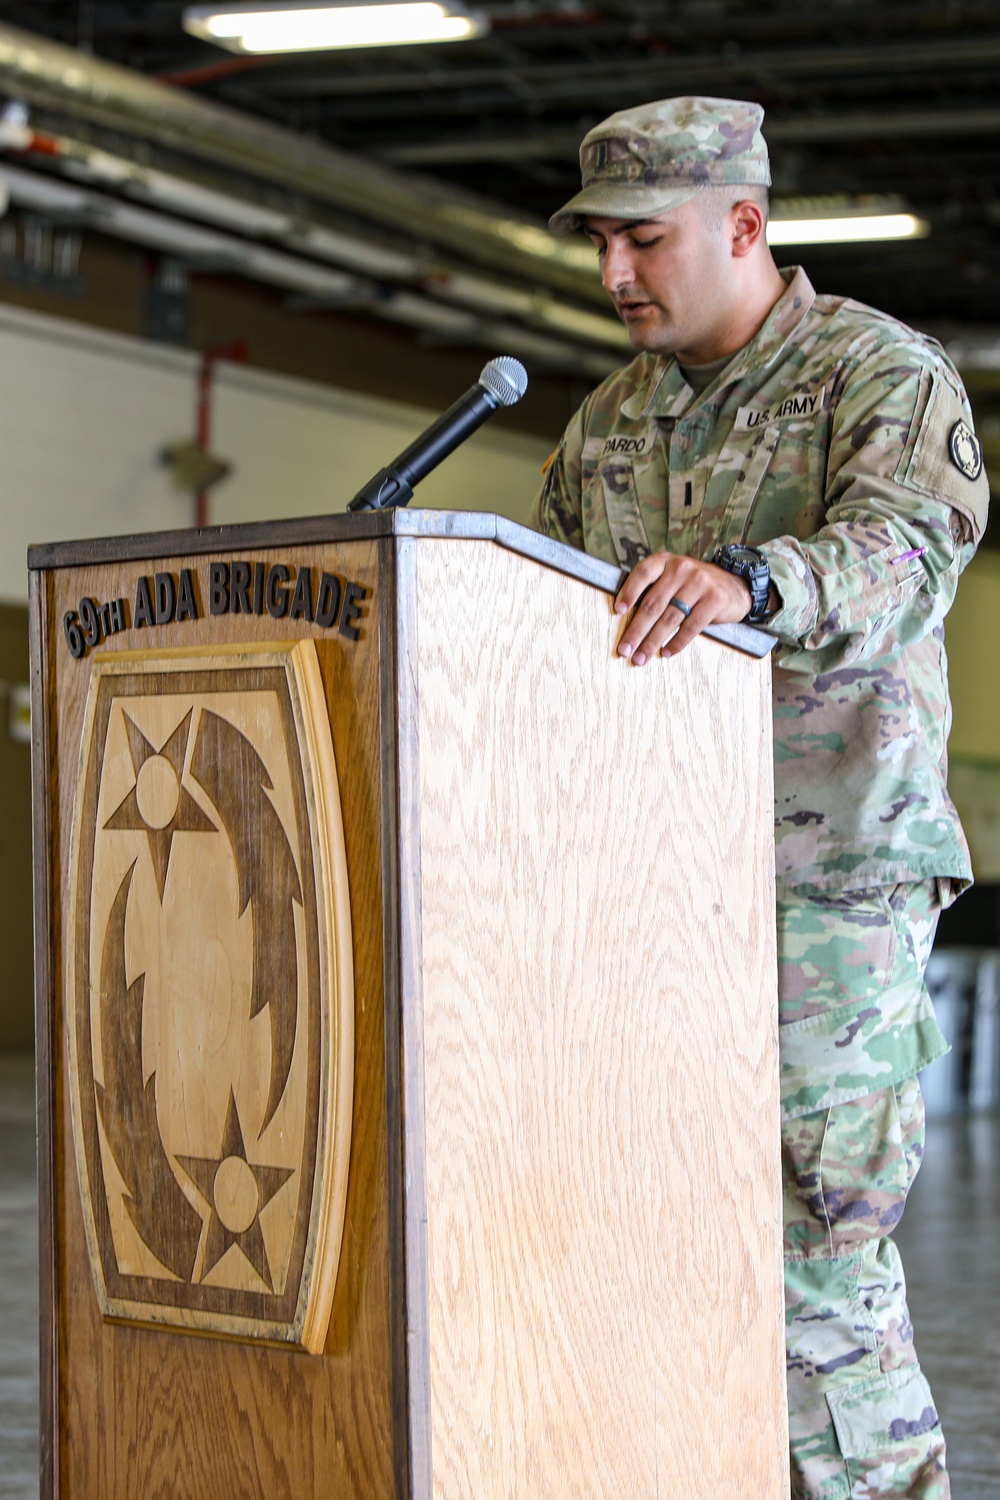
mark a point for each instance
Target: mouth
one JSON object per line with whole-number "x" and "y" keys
{"x": 629, "y": 311}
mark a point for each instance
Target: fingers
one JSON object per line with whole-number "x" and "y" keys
{"x": 657, "y": 624}
{"x": 692, "y": 625}
{"x": 650, "y": 589}
{"x": 674, "y": 598}
{"x": 641, "y": 577}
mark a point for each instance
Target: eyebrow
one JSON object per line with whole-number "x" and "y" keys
{"x": 625, "y": 224}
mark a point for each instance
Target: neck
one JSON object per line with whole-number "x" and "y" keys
{"x": 761, "y": 287}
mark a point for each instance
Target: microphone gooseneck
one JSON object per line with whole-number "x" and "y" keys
{"x": 502, "y": 383}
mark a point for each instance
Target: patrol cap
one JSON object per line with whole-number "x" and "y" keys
{"x": 650, "y": 159}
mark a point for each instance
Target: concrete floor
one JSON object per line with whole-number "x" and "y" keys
{"x": 950, "y": 1241}
{"x": 18, "y": 1282}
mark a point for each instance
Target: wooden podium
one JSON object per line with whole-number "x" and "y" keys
{"x": 407, "y": 1041}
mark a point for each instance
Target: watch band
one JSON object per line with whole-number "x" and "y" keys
{"x": 750, "y": 564}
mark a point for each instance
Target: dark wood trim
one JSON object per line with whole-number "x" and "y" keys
{"x": 251, "y": 535}
{"x": 392, "y": 991}
{"x": 46, "y": 1051}
{"x": 412, "y": 1017}
{"x": 255, "y": 535}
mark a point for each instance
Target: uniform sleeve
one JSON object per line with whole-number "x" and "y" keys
{"x": 557, "y": 509}
{"x": 906, "y": 499}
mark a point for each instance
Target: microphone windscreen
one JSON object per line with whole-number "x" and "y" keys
{"x": 505, "y": 378}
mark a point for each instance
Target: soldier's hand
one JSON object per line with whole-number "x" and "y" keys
{"x": 712, "y": 595}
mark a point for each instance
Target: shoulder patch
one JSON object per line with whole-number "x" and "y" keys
{"x": 947, "y": 458}
{"x": 966, "y": 450}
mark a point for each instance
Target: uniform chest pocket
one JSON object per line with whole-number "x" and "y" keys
{"x": 789, "y": 498}
{"x": 734, "y": 483}
{"x": 633, "y": 496}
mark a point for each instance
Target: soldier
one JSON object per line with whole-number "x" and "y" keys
{"x": 807, "y": 464}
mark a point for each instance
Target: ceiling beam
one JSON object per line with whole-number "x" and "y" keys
{"x": 939, "y": 55}
{"x": 801, "y": 129}
{"x": 88, "y": 89}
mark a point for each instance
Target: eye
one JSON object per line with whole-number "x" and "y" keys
{"x": 647, "y": 244}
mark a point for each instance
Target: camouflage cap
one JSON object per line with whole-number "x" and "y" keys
{"x": 650, "y": 159}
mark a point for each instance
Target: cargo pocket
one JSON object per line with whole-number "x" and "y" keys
{"x": 889, "y": 1435}
{"x": 856, "y": 1050}
{"x": 855, "y": 1015}
{"x": 834, "y": 949}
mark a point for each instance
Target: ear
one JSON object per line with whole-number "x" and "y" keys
{"x": 746, "y": 224}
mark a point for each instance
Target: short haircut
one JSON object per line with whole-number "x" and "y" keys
{"x": 715, "y": 201}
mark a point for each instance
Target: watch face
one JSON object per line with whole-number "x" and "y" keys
{"x": 751, "y": 565}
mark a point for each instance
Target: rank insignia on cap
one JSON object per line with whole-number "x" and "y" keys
{"x": 966, "y": 450}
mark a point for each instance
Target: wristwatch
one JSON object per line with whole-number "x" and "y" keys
{"x": 750, "y": 565}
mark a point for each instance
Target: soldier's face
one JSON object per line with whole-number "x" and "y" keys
{"x": 671, "y": 280}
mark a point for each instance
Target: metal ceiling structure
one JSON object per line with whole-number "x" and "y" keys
{"x": 413, "y": 183}
{"x": 899, "y": 98}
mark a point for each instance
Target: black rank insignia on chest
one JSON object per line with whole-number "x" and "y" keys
{"x": 966, "y": 450}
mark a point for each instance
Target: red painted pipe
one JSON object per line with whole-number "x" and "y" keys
{"x": 236, "y": 352}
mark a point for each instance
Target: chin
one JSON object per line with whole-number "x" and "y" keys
{"x": 648, "y": 336}
{"x": 650, "y": 344}
{"x": 643, "y": 340}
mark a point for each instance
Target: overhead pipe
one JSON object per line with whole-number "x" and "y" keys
{"x": 84, "y": 162}
{"x": 218, "y": 251}
{"x": 47, "y": 74}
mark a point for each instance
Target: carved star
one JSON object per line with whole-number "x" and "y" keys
{"x": 159, "y": 803}
{"x": 237, "y": 1190}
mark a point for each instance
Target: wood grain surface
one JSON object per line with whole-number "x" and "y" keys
{"x": 599, "y": 1046}
{"x": 559, "y": 1272}
{"x": 137, "y": 1411}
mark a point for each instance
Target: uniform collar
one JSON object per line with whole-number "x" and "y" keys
{"x": 667, "y": 393}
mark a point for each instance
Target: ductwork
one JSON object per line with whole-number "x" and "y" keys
{"x": 279, "y": 246}
{"x": 81, "y": 87}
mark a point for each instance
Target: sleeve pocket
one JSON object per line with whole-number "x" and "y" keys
{"x": 932, "y": 468}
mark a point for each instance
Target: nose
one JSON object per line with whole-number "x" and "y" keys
{"x": 616, "y": 266}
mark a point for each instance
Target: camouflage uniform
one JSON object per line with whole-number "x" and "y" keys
{"x": 840, "y": 443}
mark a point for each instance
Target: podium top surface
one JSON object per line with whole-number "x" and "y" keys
{"x": 459, "y": 525}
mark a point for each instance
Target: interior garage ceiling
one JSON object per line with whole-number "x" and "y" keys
{"x": 897, "y": 98}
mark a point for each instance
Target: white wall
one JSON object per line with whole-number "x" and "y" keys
{"x": 84, "y": 415}
{"x": 308, "y": 448}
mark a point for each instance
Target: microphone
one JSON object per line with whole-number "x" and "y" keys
{"x": 503, "y": 382}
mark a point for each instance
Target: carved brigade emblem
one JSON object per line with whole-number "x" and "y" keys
{"x": 211, "y": 992}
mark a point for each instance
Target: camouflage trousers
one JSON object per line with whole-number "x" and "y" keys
{"x": 856, "y": 1025}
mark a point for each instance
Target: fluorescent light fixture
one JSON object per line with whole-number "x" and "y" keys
{"x": 842, "y": 220}
{"x": 304, "y": 27}
{"x": 843, "y": 231}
